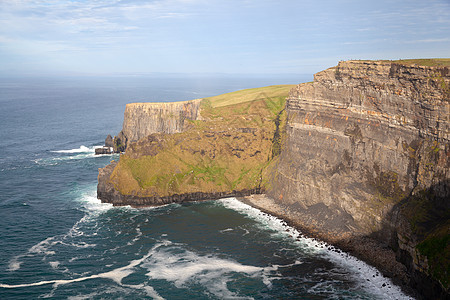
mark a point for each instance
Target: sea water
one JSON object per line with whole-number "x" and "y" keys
{"x": 58, "y": 241}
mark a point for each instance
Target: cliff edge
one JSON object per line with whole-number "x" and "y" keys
{"x": 142, "y": 119}
{"x": 367, "y": 155}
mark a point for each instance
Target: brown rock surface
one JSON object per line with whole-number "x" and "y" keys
{"x": 367, "y": 154}
{"x": 143, "y": 119}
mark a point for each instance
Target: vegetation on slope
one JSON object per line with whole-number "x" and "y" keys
{"x": 227, "y": 150}
{"x": 428, "y": 62}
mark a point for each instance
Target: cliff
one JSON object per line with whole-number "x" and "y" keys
{"x": 142, "y": 119}
{"x": 359, "y": 158}
{"x": 367, "y": 155}
{"x": 204, "y": 149}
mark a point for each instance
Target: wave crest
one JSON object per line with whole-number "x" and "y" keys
{"x": 82, "y": 149}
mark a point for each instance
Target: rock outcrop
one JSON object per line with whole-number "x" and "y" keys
{"x": 142, "y": 119}
{"x": 367, "y": 154}
{"x": 103, "y": 150}
{"x": 109, "y": 142}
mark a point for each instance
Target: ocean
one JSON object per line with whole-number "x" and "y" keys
{"x": 58, "y": 241}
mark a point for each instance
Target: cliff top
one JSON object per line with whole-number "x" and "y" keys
{"x": 247, "y": 95}
{"x": 427, "y": 62}
{"x": 231, "y": 98}
{"x": 151, "y": 104}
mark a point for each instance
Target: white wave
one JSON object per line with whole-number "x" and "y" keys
{"x": 91, "y": 203}
{"x": 376, "y": 284}
{"x": 56, "y": 160}
{"x": 271, "y": 273}
{"x": 14, "y": 264}
{"x": 82, "y": 149}
{"x": 181, "y": 266}
{"x": 148, "y": 289}
{"x": 116, "y": 275}
{"x": 77, "y": 154}
{"x": 40, "y": 248}
{"x": 93, "y": 208}
{"x": 54, "y": 264}
{"x": 136, "y": 238}
{"x": 123, "y": 289}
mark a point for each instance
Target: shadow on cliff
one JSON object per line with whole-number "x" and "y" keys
{"x": 417, "y": 229}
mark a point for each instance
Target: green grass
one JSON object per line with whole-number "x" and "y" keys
{"x": 430, "y": 62}
{"x": 247, "y": 95}
{"x": 436, "y": 247}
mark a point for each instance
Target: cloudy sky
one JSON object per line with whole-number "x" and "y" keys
{"x": 215, "y": 36}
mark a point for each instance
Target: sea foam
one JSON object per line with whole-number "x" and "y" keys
{"x": 368, "y": 277}
{"x": 116, "y": 275}
{"x": 174, "y": 263}
{"x": 81, "y": 149}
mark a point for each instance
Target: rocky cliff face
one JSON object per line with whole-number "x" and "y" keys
{"x": 367, "y": 154}
{"x": 143, "y": 119}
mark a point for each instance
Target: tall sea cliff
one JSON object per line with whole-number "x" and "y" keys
{"x": 367, "y": 155}
{"x": 359, "y": 157}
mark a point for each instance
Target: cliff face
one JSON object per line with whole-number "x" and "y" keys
{"x": 367, "y": 154}
{"x": 142, "y": 119}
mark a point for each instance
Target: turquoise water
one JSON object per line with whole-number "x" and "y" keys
{"x": 58, "y": 241}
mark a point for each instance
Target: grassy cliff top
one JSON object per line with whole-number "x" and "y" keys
{"x": 247, "y": 95}
{"x": 428, "y": 62}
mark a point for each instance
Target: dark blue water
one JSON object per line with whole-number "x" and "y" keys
{"x": 58, "y": 241}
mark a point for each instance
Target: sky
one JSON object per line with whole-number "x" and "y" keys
{"x": 215, "y": 36}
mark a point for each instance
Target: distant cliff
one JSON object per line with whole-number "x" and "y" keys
{"x": 142, "y": 119}
{"x": 367, "y": 154}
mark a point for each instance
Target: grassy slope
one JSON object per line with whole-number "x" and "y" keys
{"x": 226, "y": 151}
{"x": 429, "y": 62}
{"x": 250, "y": 95}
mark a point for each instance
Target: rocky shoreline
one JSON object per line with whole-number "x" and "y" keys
{"x": 364, "y": 248}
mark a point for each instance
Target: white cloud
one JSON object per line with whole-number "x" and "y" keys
{"x": 443, "y": 40}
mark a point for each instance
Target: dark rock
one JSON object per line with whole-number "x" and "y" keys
{"x": 103, "y": 150}
{"x": 109, "y": 141}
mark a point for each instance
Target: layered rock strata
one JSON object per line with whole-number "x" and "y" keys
{"x": 367, "y": 154}
{"x": 143, "y": 119}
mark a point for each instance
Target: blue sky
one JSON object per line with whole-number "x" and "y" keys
{"x": 209, "y": 36}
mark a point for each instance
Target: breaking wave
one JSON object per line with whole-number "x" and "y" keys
{"x": 368, "y": 277}
{"x": 81, "y": 149}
